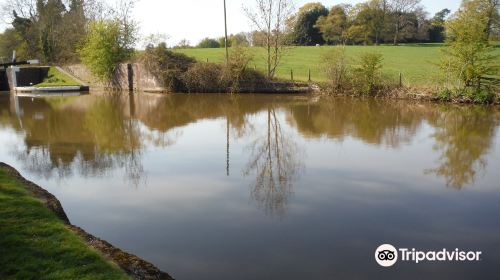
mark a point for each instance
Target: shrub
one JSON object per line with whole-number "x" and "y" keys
{"x": 208, "y": 43}
{"x": 234, "y": 72}
{"x": 445, "y": 95}
{"x": 204, "y": 78}
{"x": 368, "y": 75}
{"x": 481, "y": 95}
{"x": 468, "y": 54}
{"x": 105, "y": 46}
{"x": 167, "y": 66}
{"x": 336, "y": 68}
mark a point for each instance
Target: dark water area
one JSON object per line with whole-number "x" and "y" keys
{"x": 268, "y": 186}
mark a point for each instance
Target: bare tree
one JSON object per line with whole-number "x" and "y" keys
{"x": 269, "y": 17}
{"x": 400, "y": 10}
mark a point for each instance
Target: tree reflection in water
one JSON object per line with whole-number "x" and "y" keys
{"x": 95, "y": 135}
{"x": 116, "y": 135}
{"x": 276, "y": 161}
{"x": 464, "y": 137}
{"x": 86, "y": 134}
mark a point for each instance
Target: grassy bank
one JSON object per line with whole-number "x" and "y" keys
{"x": 35, "y": 244}
{"x": 56, "y": 78}
{"x": 416, "y": 62}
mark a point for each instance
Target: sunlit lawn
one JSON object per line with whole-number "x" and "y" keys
{"x": 417, "y": 62}
{"x": 35, "y": 244}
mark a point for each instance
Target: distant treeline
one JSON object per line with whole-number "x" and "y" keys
{"x": 54, "y": 31}
{"x": 372, "y": 22}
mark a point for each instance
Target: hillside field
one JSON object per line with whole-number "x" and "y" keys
{"x": 416, "y": 62}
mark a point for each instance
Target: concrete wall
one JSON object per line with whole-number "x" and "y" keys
{"x": 28, "y": 76}
{"x": 127, "y": 77}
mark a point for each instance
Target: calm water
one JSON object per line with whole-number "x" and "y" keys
{"x": 267, "y": 187}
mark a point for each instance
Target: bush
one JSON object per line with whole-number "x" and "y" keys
{"x": 234, "y": 72}
{"x": 336, "y": 68}
{"x": 368, "y": 75}
{"x": 445, "y": 95}
{"x": 214, "y": 78}
{"x": 106, "y": 45}
{"x": 167, "y": 66}
{"x": 481, "y": 95}
{"x": 205, "y": 78}
{"x": 468, "y": 55}
{"x": 208, "y": 43}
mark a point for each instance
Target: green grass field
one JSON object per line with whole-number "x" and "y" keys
{"x": 35, "y": 244}
{"x": 56, "y": 78}
{"x": 416, "y": 62}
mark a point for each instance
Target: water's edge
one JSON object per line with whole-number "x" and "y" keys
{"x": 134, "y": 266}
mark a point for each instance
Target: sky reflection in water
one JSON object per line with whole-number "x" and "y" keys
{"x": 267, "y": 187}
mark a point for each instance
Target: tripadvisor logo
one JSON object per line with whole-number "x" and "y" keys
{"x": 387, "y": 255}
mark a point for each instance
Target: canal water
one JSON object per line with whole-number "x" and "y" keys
{"x": 268, "y": 186}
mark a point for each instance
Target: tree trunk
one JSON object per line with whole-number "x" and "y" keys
{"x": 396, "y": 35}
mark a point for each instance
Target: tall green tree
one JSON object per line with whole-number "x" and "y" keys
{"x": 50, "y": 25}
{"x": 305, "y": 31}
{"x": 334, "y": 26}
{"x": 11, "y": 41}
{"x": 372, "y": 18}
{"x": 436, "y": 32}
{"x": 469, "y": 54}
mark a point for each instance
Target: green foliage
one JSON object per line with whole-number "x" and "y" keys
{"x": 469, "y": 56}
{"x": 369, "y": 22}
{"x": 35, "y": 244}
{"x": 445, "y": 95}
{"x": 473, "y": 95}
{"x": 51, "y": 32}
{"x": 167, "y": 66}
{"x": 368, "y": 75}
{"x": 305, "y": 31}
{"x": 208, "y": 43}
{"x": 106, "y": 45}
{"x": 10, "y": 40}
{"x": 334, "y": 26}
{"x": 437, "y": 30}
{"x": 417, "y": 63}
{"x": 233, "y": 40}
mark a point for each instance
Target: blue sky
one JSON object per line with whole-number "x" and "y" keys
{"x": 196, "y": 19}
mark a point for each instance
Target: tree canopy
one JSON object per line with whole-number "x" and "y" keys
{"x": 305, "y": 32}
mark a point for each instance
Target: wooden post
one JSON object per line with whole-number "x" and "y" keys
{"x": 309, "y": 74}
{"x": 291, "y": 74}
{"x": 225, "y": 32}
{"x": 400, "y": 79}
{"x": 130, "y": 77}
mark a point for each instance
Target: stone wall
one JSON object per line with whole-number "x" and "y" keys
{"x": 127, "y": 77}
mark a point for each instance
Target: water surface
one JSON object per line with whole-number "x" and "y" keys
{"x": 267, "y": 186}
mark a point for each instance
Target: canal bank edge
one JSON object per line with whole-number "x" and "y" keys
{"x": 132, "y": 265}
